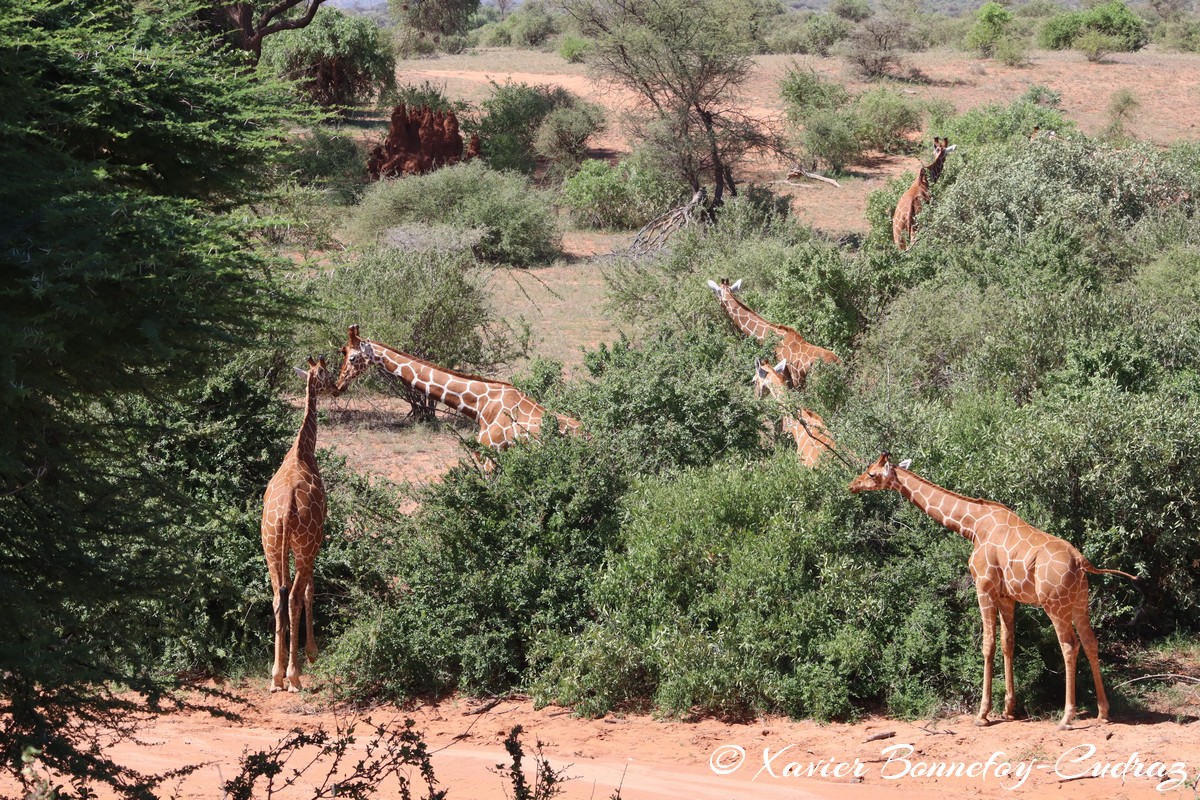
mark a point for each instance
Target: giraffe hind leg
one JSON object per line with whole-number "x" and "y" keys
{"x": 281, "y": 638}
{"x": 1091, "y": 648}
{"x": 310, "y": 641}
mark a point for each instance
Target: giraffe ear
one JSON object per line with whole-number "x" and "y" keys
{"x": 713, "y": 285}
{"x": 311, "y": 362}
{"x": 301, "y": 372}
{"x": 353, "y": 332}
{"x": 905, "y": 464}
{"x": 951, "y": 148}
{"x": 736, "y": 285}
{"x": 781, "y": 366}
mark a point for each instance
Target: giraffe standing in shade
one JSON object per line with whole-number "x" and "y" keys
{"x": 904, "y": 220}
{"x": 292, "y": 529}
{"x": 792, "y": 348}
{"x": 806, "y": 427}
{"x": 503, "y": 412}
{"x": 1012, "y": 562}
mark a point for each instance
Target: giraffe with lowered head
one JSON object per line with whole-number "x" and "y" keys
{"x": 292, "y": 529}
{"x": 1012, "y": 562}
{"x": 800, "y": 355}
{"x": 904, "y": 220}
{"x": 503, "y": 412}
{"x": 806, "y": 427}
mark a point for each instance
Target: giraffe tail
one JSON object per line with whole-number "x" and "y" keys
{"x": 283, "y": 612}
{"x": 1087, "y": 566}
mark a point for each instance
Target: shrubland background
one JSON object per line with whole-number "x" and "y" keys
{"x": 176, "y": 244}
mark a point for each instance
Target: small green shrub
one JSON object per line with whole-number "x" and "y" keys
{"x": 511, "y": 118}
{"x": 886, "y": 119}
{"x": 1182, "y": 36}
{"x": 332, "y": 162}
{"x": 515, "y": 220}
{"x": 624, "y": 196}
{"x": 994, "y": 123}
{"x": 833, "y": 137}
{"x": 574, "y": 49}
{"x": 850, "y": 10}
{"x": 428, "y": 94}
{"x": 562, "y": 138}
{"x": 992, "y": 24}
{"x": 1011, "y": 51}
{"x": 531, "y": 25}
{"x": 805, "y": 91}
{"x": 1108, "y": 27}
{"x": 493, "y": 34}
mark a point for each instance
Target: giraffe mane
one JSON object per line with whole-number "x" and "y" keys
{"x": 954, "y": 494}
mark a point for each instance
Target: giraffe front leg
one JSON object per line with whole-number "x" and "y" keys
{"x": 1007, "y": 646}
{"x": 987, "y": 610}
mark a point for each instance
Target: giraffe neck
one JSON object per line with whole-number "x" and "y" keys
{"x": 744, "y": 319}
{"x": 463, "y": 393}
{"x": 959, "y": 514}
{"x": 306, "y": 441}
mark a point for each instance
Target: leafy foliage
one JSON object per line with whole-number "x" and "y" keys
{"x": 512, "y": 117}
{"x": 618, "y": 197}
{"x": 992, "y": 23}
{"x": 563, "y": 136}
{"x": 514, "y": 221}
{"x": 1111, "y": 25}
{"x": 336, "y": 60}
{"x": 129, "y": 137}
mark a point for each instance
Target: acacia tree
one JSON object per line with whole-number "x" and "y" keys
{"x": 253, "y": 21}
{"x": 685, "y": 61}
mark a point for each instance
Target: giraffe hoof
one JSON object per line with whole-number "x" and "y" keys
{"x": 1064, "y": 726}
{"x": 982, "y": 722}
{"x": 293, "y": 689}
{"x": 276, "y": 688}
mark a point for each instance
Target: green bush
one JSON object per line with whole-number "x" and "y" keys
{"x": 574, "y": 49}
{"x": 457, "y": 598}
{"x": 515, "y": 221}
{"x": 886, "y": 119}
{"x": 1182, "y": 36}
{"x": 1110, "y": 26}
{"x": 1059, "y": 32}
{"x": 337, "y": 59}
{"x": 430, "y": 303}
{"x": 995, "y": 123}
{"x": 511, "y": 118}
{"x": 1010, "y": 51}
{"x": 531, "y": 25}
{"x": 805, "y": 91}
{"x": 992, "y": 24}
{"x": 332, "y": 162}
{"x": 428, "y": 94}
{"x": 562, "y": 138}
{"x": 624, "y": 196}
{"x": 833, "y": 137}
{"x": 812, "y": 34}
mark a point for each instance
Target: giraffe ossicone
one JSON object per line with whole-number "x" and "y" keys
{"x": 1011, "y": 562}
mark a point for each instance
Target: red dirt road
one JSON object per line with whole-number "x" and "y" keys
{"x": 707, "y": 760}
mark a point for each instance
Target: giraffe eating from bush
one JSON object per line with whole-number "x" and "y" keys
{"x": 904, "y": 220}
{"x": 292, "y": 529}
{"x": 799, "y": 354}
{"x": 806, "y": 427}
{"x": 504, "y": 413}
{"x": 1012, "y": 562}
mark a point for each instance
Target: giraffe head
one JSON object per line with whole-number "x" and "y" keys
{"x": 880, "y": 475}
{"x": 769, "y": 380}
{"x": 317, "y": 374}
{"x": 941, "y": 147}
{"x": 355, "y": 360}
{"x": 720, "y": 289}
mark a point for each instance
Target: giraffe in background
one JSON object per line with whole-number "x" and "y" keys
{"x": 1012, "y": 562}
{"x": 503, "y": 412}
{"x": 292, "y": 528}
{"x": 792, "y": 348}
{"x": 904, "y": 220}
{"x": 806, "y": 427}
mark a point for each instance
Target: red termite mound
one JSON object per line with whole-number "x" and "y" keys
{"x": 419, "y": 141}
